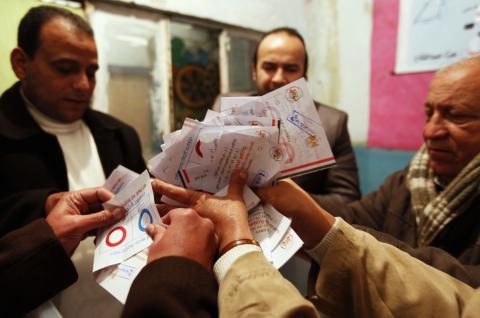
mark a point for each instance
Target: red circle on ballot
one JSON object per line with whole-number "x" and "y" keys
{"x": 124, "y": 235}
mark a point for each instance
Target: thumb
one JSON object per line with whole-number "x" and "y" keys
{"x": 237, "y": 182}
{"x": 155, "y": 231}
{"x": 103, "y": 218}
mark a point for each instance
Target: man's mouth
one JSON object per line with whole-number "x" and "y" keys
{"x": 439, "y": 149}
{"x": 439, "y": 153}
{"x": 77, "y": 101}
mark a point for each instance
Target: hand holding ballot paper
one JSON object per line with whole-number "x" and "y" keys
{"x": 274, "y": 136}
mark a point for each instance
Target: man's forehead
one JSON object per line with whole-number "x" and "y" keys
{"x": 282, "y": 42}
{"x": 457, "y": 87}
{"x": 463, "y": 77}
{"x": 461, "y": 71}
{"x": 59, "y": 30}
{"x": 281, "y": 52}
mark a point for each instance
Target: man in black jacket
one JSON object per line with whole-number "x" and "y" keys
{"x": 50, "y": 139}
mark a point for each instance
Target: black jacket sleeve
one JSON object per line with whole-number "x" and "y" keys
{"x": 21, "y": 208}
{"x": 33, "y": 268}
{"x": 173, "y": 287}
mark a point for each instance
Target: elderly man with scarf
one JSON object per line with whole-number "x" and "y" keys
{"x": 431, "y": 209}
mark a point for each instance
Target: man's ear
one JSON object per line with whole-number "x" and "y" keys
{"x": 19, "y": 59}
{"x": 254, "y": 73}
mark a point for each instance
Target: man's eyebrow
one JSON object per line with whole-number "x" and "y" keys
{"x": 93, "y": 66}
{"x": 64, "y": 60}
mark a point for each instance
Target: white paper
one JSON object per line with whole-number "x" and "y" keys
{"x": 260, "y": 156}
{"x": 126, "y": 238}
{"x": 228, "y": 102}
{"x": 257, "y": 223}
{"x": 119, "y": 178}
{"x": 287, "y": 248}
{"x": 118, "y": 279}
{"x": 277, "y": 223}
{"x": 302, "y": 137}
{"x": 420, "y": 44}
{"x": 210, "y": 115}
{"x": 166, "y": 165}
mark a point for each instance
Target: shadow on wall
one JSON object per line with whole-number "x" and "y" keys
{"x": 375, "y": 165}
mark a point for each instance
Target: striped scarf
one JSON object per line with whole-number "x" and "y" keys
{"x": 433, "y": 210}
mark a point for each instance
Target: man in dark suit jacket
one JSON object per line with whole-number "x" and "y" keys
{"x": 281, "y": 58}
{"x": 50, "y": 139}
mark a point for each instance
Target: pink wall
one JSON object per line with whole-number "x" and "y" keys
{"x": 396, "y": 111}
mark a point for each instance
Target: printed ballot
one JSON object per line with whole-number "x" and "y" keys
{"x": 302, "y": 137}
{"x": 117, "y": 279}
{"x": 122, "y": 240}
{"x": 119, "y": 178}
{"x": 274, "y": 136}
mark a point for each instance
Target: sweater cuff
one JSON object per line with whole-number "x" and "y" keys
{"x": 318, "y": 252}
{"x": 223, "y": 264}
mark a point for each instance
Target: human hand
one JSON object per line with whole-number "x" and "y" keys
{"x": 287, "y": 197}
{"x": 52, "y": 200}
{"x": 69, "y": 218}
{"x": 229, "y": 214}
{"x": 309, "y": 220}
{"x": 188, "y": 235}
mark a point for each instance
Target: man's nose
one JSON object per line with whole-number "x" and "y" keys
{"x": 279, "y": 77}
{"x": 435, "y": 127}
{"x": 82, "y": 82}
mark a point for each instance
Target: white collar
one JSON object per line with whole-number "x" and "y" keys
{"x": 49, "y": 124}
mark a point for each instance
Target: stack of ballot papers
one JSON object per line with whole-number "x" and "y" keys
{"x": 274, "y": 136}
{"x": 278, "y": 135}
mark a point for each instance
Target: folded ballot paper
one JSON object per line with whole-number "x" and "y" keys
{"x": 274, "y": 136}
{"x": 121, "y": 250}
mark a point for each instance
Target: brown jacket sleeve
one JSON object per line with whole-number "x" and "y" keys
{"x": 33, "y": 268}
{"x": 172, "y": 287}
{"x": 362, "y": 277}
{"x": 252, "y": 287}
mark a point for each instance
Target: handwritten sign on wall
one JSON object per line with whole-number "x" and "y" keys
{"x": 436, "y": 33}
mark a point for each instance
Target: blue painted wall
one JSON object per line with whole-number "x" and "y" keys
{"x": 376, "y": 164}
